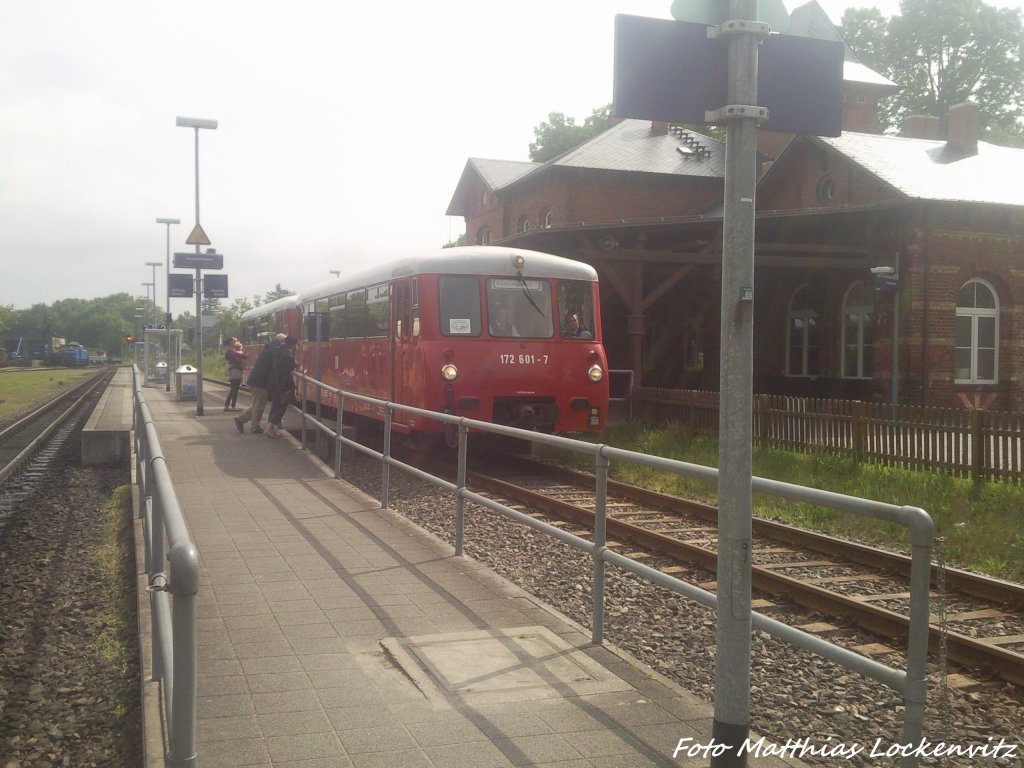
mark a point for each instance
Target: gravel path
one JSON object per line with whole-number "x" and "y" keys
{"x": 794, "y": 694}
{"x": 69, "y": 676}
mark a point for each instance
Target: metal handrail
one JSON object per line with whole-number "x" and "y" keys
{"x": 172, "y": 573}
{"x": 910, "y": 684}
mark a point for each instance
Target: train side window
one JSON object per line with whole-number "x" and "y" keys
{"x": 377, "y": 310}
{"x": 336, "y": 323}
{"x": 459, "y": 306}
{"x": 576, "y": 309}
{"x": 355, "y": 314}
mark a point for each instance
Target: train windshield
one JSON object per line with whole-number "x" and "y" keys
{"x": 519, "y": 306}
{"x": 459, "y": 308}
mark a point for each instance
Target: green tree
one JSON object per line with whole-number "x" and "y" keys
{"x": 9, "y": 317}
{"x": 944, "y": 52}
{"x": 277, "y": 293}
{"x": 229, "y": 319}
{"x": 559, "y": 133}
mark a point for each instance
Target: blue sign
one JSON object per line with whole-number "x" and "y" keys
{"x": 215, "y": 286}
{"x": 180, "y": 286}
{"x": 672, "y": 71}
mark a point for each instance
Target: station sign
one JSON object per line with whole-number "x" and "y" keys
{"x": 199, "y": 261}
{"x": 672, "y": 71}
{"x": 180, "y": 286}
{"x": 215, "y": 286}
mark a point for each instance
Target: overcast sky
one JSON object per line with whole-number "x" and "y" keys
{"x": 343, "y": 128}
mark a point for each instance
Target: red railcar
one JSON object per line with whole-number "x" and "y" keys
{"x": 503, "y": 335}
{"x": 260, "y": 325}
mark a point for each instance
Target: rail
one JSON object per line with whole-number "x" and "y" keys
{"x": 172, "y": 574}
{"x": 910, "y": 684}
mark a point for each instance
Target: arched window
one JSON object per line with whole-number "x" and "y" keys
{"x": 976, "y": 334}
{"x": 548, "y": 219}
{"x": 858, "y": 331}
{"x": 801, "y": 335}
{"x": 483, "y": 236}
{"x": 523, "y": 225}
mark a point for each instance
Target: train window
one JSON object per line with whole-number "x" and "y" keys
{"x": 355, "y": 314}
{"x": 519, "y": 307}
{"x": 336, "y": 323}
{"x": 377, "y": 311}
{"x": 459, "y": 306}
{"x": 576, "y": 309}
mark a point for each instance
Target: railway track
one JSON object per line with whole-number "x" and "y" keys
{"x": 983, "y": 627}
{"x": 31, "y": 442}
{"x": 980, "y": 626}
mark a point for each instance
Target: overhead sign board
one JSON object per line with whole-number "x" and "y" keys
{"x": 215, "y": 286}
{"x": 672, "y": 71}
{"x": 179, "y": 286}
{"x": 199, "y": 261}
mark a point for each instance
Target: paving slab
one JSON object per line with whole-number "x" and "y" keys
{"x": 336, "y": 633}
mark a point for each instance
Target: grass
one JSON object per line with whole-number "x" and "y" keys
{"x": 21, "y": 388}
{"x": 982, "y": 526}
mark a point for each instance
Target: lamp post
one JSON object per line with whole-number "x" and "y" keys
{"x": 167, "y": 291}
{"x": 198, "y": 238}
{"x": 139, "y": 315}
{"x": 147, "y": 286}
{"x": 889, "y": 277}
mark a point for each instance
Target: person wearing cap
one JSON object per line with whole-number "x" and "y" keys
{"x": 281, "y": 385}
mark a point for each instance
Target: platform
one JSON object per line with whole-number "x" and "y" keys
{"x": 335, "y": 633}
{"x": 106, "y": 438}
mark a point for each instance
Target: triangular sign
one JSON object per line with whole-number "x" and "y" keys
{"x": 198, "y": 237}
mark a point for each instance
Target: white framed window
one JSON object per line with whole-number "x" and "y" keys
{"x": 483, "y": 236}
{"x": 801, "y": 334}
{"x": 976, "y": 334}
{"x": 549, "y": 219}
{"x": 523, "y": 225}
{"x": 858, "y": 331}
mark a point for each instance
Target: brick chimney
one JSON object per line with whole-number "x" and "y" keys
{"x": 922, "y": 127}
{"x": 963, "y": 127}
{"x": 659, "y": 128}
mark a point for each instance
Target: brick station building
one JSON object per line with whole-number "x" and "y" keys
{"x": 642, "y": 202}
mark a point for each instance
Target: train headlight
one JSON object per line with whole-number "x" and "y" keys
{"x": 595, "y": 373}
{"x": 449, "y": 372}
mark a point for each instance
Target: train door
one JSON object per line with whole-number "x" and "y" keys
{"x": 404, "y": 331}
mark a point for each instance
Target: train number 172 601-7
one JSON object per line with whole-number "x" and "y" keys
{"x": 524, "y": 359}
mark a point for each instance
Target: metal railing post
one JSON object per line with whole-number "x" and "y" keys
{"x": 183, "y": 585}
{"x": 915, "y": 686}
{"x": 302, "y": 413}
{"x": 600, "y": 540}
{"x": 385, "y": 479}
{"x": 460, "y": 503}
{"x": 337, "y": 439}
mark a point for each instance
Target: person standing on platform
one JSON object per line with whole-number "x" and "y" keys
{"x": 281, "y": 385}
{"x": 257, "y": 381}
{"x": 236, "y": 358}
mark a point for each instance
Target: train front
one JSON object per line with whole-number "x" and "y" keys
{"x": 525, "y": 347}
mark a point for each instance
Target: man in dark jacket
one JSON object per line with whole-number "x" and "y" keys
{"x": 259, "y": 376}
{"x": 280, "y": 385}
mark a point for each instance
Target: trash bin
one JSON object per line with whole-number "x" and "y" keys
{"x": 160, "y": 371}
{"x": 186, "y": 382}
